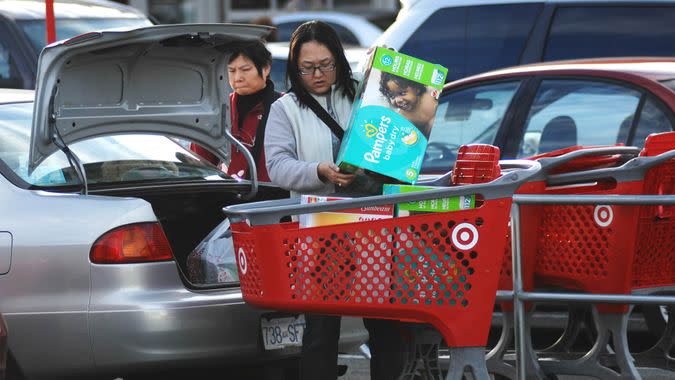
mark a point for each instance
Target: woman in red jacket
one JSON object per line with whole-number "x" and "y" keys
{"x": 248, "y": 72}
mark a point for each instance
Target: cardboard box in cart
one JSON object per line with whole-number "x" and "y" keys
{"x": 342, "y": 216}
{"x": 392, "y": 116}
{"x": 461, "y": 202}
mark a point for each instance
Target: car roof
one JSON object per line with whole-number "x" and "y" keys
{"x": 462, "y": 3}
{"x": 320, "y": 15}
{"x": 35, "y": 9}
{"x": 12, "y": 95}
{"x": 652, "y": 69}
{"x": 279, "y": 50}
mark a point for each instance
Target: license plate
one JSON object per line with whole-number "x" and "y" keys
{"x": 278, "y": 333}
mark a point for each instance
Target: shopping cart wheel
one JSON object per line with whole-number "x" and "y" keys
{"x": 662, "y": 353}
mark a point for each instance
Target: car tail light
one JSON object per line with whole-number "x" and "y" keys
{"x": 133, "y": 243}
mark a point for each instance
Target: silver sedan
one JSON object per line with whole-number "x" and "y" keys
{"x": 99, "y": 210}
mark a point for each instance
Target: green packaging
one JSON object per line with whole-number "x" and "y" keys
{"x": 461, "y": 202}
{"x": 392, "y": 117}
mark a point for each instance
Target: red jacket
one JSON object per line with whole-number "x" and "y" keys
{"x": 246, "y": 135}
{"x": 238, "y": 165}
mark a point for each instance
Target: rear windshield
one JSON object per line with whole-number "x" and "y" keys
{"x": 107, "y": 160}
{"x": 67, "y": 28}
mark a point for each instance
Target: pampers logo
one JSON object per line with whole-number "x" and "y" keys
{"x": 371, "y": 130}
{"x": 437, "y": 77}
{"x": 386, "y": 60}
{"x": 385, "y": 136}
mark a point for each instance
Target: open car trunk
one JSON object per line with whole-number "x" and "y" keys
{"x": 189, "y": 213}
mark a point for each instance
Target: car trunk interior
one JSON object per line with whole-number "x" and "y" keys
{"x": 188, "y": 214}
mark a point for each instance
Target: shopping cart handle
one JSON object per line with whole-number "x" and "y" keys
{"x": 549, "y": 163}
{"x": 270, "y": 212}
{"x": 633, "y": 170}
{"x": 253, "y": 172}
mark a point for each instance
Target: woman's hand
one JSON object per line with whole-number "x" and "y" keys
{"x": 329, "y": 172}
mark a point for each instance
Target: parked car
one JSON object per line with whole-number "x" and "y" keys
{"x": 279, "y": 52}
{"x": 96, "y": 281}
{"x": 538, "y": 108}
{"x": 23, "y": 33}
{"x": 470, "y": 37}
{"x": 352, "y": 29}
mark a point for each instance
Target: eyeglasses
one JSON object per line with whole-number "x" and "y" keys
{"x": 328, "y": 67}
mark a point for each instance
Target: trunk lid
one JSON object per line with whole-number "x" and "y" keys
{"x": 163, "y": 79}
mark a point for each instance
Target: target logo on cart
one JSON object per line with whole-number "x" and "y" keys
{"x": 603, "y": 215}
{"x": 465, "y": 236}
{"x": 243, "y": 265}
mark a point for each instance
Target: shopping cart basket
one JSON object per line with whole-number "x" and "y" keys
{"x": 572, "y": 159}
{"x": 603, "y": 249}
{"x": 438, "y": 268}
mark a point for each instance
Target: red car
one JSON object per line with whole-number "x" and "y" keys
{"x": 533, "y": 109}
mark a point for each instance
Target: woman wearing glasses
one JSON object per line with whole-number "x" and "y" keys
{"x": 302, "y": 138}
{"x": 248, "y": 71}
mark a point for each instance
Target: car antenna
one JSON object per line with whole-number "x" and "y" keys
{"x": 73, "y": 160}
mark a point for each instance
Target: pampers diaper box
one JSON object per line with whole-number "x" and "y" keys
{"x": 461, "y": 202}
{"x": 341, "y": 216}
{"x": 392, "y": 116}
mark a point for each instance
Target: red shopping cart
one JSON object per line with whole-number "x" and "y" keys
{"x": 572, "y": 159}
{"x": 606, "y": 249}
{"x": 437, "y": 268}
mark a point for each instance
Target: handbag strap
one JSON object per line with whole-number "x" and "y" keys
{"x": 325, "y": 117}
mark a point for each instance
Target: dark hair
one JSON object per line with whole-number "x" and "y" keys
{"x": 254, "y": 50}
{"x": 324, "y": 34}
{"x": 401, "y": 82}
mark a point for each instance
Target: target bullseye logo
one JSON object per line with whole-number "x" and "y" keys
{"x": 603, "y": 215}
{"x": 243, "y": 265}
{"x": 465, "y": 236}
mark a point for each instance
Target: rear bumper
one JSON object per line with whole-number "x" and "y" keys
{"x": 163, "y": 323}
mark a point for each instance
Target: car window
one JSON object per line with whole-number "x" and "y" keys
{"x": 469, "y": 40}
{"x": 585, "y": 32}
{"x": 67, "y": 28}
{"x": 278, "y": 74}
{"x": 9, "y": 74}
{"x": 109, "y": 159}
{"x": 285, "y": 29}
{"x": 471, "y": 115}
{"x": 652, "y": 120}
{"x": 346, "y": 36}
{"x": 577, "y": 112}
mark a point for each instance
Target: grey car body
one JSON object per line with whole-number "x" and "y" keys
{"x": 70, "y": 316}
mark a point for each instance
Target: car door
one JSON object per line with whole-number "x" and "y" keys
{"x": 17, "y": 67}
{"x": 569, "y": 111}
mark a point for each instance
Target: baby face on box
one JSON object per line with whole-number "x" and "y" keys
{"x": 414, "y": 101}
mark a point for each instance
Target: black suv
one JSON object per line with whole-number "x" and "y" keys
{"x": 470, "y": 37}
